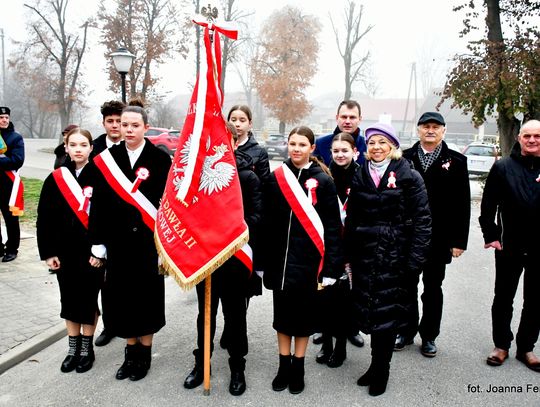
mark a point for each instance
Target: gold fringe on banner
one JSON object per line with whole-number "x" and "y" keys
{"x": 169, "y": 268}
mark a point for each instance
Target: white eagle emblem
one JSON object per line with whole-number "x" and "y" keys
{"x": 215, "y": 175}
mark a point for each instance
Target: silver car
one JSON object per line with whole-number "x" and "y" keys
{"x": 481, "y": 157}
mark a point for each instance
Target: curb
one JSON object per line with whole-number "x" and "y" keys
{"x": 32, "y": 346}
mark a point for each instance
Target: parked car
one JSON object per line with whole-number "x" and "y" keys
{"x": 453, "y": 146}
{"x": 480, "y": 157}
{"x": 276, "y": 146}
{"x": 164, "y": 139}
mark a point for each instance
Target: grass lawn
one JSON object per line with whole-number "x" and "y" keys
{"x": 32, "y": 189}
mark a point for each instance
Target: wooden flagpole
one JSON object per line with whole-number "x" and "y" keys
{"x": 207, "y": 327}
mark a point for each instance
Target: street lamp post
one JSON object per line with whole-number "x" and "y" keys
{"x": 123, "y": 59}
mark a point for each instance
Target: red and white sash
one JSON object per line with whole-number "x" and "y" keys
{"x": 245, "y": 255}
{"x": 123, "y": 187}
{"x": 16, "y": 199}
{"x": 77, "y": 198}
{"x": 302, "y": 207}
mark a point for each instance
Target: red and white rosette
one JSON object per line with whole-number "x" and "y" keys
{"x": 142, "y": 175}
{"x": 87, "y": 194}
{"x": 446, "y": 165}
{"x": 392, "y": 180}
{"x": 311, "y": 184}
{"x": 538, "y": 179}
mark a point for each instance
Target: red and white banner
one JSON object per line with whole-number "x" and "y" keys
{"x": 302, "y": 207}
{"x": 77, "y": 198}
{"x": 16, "y": 199}
{"x": 124, "y": 187}
{"x": 200, "y": 222}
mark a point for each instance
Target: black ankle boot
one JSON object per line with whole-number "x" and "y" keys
{"x": 366, "y": 378}
{"x": 379, "y": 381}
{"x": 72, "y": 359}
{"x": 296, "y": 381}
{"x": 340, "y": 353}
{"x": 129, "y": 361}
{"x": 281, "y": 381}
{"x": 196, "y": 377}
{"x": 237, "y": 386}
{"x": 326, "y": 349}
{"x": 87, "y": 358}
{"x": 143, "y": 359}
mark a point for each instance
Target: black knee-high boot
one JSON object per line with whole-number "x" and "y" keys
{"x": 87, "y": 358}
{"x": 72, "y": 358}
{"x": 382, "y": 351}
{"x": 281, "y": 381}
{"x": 296, "y": 380}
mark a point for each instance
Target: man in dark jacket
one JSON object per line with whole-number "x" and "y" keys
{"x": 447, "y": 182}
{"x": 10, "y": 162}
{"x": 512, "y": 196}
{"x": 348, "y": 117}
{"x": 111, "y": 112}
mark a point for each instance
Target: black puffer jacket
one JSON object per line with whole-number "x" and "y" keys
{"x": 512, "y": 195}
{"x": 291, "y": 260}
{"x": 387, "y": 232}
{"x": 259, "y": 156}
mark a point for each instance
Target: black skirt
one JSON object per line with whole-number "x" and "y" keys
{"x": 79, "y": 288}
{"x": 295, "y": 312}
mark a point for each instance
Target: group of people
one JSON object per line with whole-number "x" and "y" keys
{"x": 341, "y": 233}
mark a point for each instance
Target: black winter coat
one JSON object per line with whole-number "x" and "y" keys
{"x": 12, "y": 159}
{"x": 449, "y": 193}
{"x": 134, "y": 300}
{"x": 259, "y": 157}
{"x": 512, "y": 196}
{"x": 387, "y": 232}
{"x": 291, "y": 260}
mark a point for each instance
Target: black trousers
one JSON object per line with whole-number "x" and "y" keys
{"x": 229, "y": 284}
{"x": 429, "y": 328}
{"x": 12, "y": 227}
{"x": 508, "y": 270}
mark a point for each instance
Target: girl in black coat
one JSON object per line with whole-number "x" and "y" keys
{"x": 62, "y": 233}
{"x": 293, "y": 265}
{"x": 387, "y": 232}
{"x": 334, "y": 299}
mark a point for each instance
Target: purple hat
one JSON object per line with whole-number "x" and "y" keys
{"x": 68, "y": 128}
{"x": 382, "y": 129}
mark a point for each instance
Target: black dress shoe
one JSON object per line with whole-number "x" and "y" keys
{"x": 356, "y": 340}
{"x": 104, "y": 338}
{"x": 9, "y": 257}
{"x": 70, "y": 363}
{"x": 336, "y": 359}
{"x": 323, "y": 355}
{"x": 401, "y": 342}
{"x": 237, "y": 386}
{"x": 317, "y": 338}
{"x": 429, "y": 349}
{"x": 195, "y": 378}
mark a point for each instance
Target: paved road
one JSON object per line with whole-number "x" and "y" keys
{"x": 447, "y": 380}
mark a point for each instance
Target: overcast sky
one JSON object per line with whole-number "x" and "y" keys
{"x": 404, "y": 32}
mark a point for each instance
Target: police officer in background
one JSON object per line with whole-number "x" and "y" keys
{"x": 10, "y": 162}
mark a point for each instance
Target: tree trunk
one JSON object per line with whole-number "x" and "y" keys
{"x": 281, "y": 127}
{"x": 508, "y": 126}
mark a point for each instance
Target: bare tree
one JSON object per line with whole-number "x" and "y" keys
{"x": 51, "y": 41}
{"x": 243, "y": 67}
{"x": 153, "y": 30}
{"x": 354, "y": 32}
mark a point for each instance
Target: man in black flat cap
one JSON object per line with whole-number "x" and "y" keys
{"x": 447, "y": 182}
{"x": 10, "y": 162}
